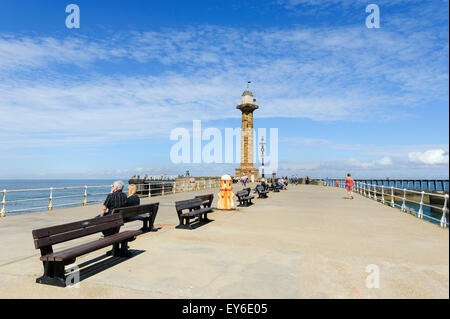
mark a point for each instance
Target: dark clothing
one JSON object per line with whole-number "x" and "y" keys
{"x": 133, "y": 200}
{"x": 115, "y": 200}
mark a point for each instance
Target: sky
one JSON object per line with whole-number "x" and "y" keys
{"x": 101, "y": 100}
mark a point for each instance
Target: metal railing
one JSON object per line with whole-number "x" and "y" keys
{"x": 88, "y": 195}
{"x": 388, "y": 195}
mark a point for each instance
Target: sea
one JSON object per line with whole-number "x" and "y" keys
{"x": 17, "y": 204}
{"x": 42, "y": 196}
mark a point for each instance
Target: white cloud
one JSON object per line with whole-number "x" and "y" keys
{"x": 199, "y": 73}
{"x": 385, "y": 161}
{"x": 430, "y": 157}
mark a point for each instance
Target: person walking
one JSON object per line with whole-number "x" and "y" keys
{"x": 349, "y": 185}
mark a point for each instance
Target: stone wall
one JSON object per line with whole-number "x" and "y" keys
{"x": 191, "y": 183}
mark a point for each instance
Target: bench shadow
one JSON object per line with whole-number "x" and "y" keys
{"x": 245, "y": 205}
{"x": 94, "y": 266}
{"x": 195, "y": 225}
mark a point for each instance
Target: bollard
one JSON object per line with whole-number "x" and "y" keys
{"x": 50, "y": 204}
{"x": 420, "y": 213}
{"x": 3, "y": 211}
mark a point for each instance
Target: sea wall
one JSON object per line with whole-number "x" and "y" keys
{"x": 191, "y": 183}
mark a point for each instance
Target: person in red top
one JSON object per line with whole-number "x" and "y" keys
{"x": 349, "y": 185}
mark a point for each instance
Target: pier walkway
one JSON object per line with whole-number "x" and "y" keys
{"x": 305, "y": 242}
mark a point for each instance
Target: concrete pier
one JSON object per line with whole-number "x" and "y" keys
{"x": 306, "y": 242}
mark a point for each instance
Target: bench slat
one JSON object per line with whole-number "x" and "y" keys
{"x": 53, "y": 230}
{"x": 89, "y": 247}
{"x": 77, "y": 233}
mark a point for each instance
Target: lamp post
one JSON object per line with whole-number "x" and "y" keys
{"x": 262, "y": 143}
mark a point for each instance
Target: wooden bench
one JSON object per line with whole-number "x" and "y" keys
{"x": 274, "y": 187}
{"x": 206, "y": 199}
{"x": 244, "y": 197}
{"x": 262, "y": 193}
{"x": 189, "y": 209}
{"x": 54, "y": 262}
{"x": 146, "y": 213}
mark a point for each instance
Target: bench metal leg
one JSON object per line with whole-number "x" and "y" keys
{"x": 53, "y": 274}
{"x": 205, "y": 218}
{"x": 151, "y": 222}
{"x": 184, "y": 224}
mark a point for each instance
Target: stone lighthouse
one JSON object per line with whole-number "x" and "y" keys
{"x": 247, "y": 106}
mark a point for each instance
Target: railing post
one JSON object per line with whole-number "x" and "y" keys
{"x": 149, "y": 190}
{"x": 174, "y": 186}
{"x": 392, "y": 197}
{"x": 382, "y": 194}
{"x": 420, "y": 213}
{"x": 162, "y": 191}
{"x": 364, "y": 189}
{"x": 444, "y": 209}
{"x": 3, "y": 211}
{"x": 85, "y": 196}
{"x": 375, "y": 192}
{"x": 50, "y": 203}
{"x": 368, "y": 191}
{"x": 404, "y": 200}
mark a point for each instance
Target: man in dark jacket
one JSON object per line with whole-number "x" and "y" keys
{"x": 114, "y": 200}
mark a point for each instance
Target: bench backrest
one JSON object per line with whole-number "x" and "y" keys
{"x": 48, "y": 236}
{"x": 188, "y": 204}
{"x": 242, "y": 193}
{"x": 132, "y": 211}
{"x": 259, "y": 188}
{"x": 208, "y": 197}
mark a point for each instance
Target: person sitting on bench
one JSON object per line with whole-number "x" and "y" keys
{"x": 115, "y": 199}
{"x": 133, "y": 198}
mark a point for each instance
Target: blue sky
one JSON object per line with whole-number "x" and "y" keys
{"x": 100, "y": 101}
